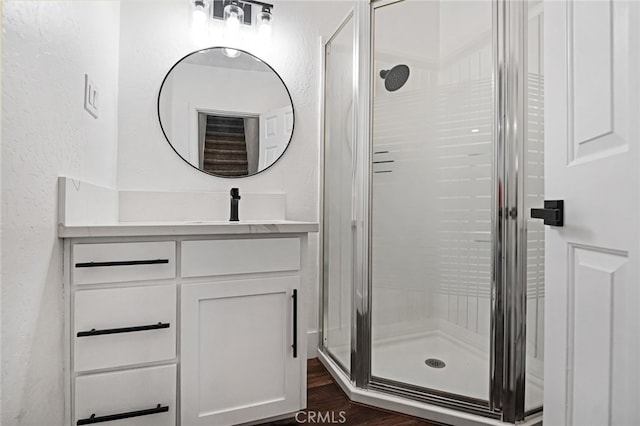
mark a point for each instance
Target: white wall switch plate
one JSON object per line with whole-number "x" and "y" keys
{"x": 90, "y": 96}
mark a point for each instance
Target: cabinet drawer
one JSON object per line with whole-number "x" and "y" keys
{"x": 224, "y": 257}
{"x": 130, "y": 326}
{"x": 118, "y": 262}
{"x": 138, "y": 397}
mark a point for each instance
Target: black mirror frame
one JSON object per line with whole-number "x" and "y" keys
{"x": 293, "y": 126}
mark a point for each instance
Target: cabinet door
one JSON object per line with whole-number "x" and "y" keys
{"x": 237, "y": 357}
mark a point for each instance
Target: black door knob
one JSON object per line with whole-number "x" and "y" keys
{"x": 552, "y": 213}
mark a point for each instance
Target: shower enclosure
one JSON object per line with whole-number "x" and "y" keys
{"x": 433, "y": 273}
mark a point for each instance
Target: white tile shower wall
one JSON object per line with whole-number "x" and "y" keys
{"x": 432, "y": 204}
{"x": 464, "y": 165}
{"x": 535, "y": 228}
{"x": 154, "y": 35}
{"x": 466, "y": 133}
{"x": 47, "y": 47}
{"x": 403, "y": 216}
{"x": 466, "y": 263}
{"x": 466, "y": 271}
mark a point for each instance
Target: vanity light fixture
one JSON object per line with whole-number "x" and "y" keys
{"x": 237, "y": 12}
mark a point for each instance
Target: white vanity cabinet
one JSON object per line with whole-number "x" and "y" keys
{"x": 215, "y": 318}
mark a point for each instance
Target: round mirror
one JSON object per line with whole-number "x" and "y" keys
{"x": 225, "y": 112}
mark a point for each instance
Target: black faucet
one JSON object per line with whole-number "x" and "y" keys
{"x": 235, "y": 199}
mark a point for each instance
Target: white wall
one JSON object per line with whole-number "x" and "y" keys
{"x": 46, "y": 49}
{"x": 408, "y": 30}
{"x": 146, "y": 161}
{"x": 464, "y": 24}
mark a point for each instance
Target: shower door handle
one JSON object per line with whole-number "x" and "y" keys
{"x": 552, "y": 213}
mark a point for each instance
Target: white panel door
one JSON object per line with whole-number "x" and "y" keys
{"x": 237, "y": 360}
{"x": 275, "y": 130}
{"x": 592, "y": 116}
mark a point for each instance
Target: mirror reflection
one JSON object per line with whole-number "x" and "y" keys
{"x": 226, "y": 112}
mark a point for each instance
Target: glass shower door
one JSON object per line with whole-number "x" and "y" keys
{"x": 338, "y": 176}
{"x": 534, "y": 192}
{"x": 433, "y": 152}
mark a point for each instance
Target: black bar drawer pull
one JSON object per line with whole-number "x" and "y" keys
{"x": 93, "y": 419}
{"x": 121, "y": 263}
{"x": 94, "y": 332}
{"x": 552, "y": 213}
{"x": 295, "y": 323}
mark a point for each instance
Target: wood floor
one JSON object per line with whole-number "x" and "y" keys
{"x": 326, "y": 399}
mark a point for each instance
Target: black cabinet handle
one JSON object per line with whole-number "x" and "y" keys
{"x": 94, "y": 332}
{"x": 295, "y": 323}
{"x": 93, "y": 419}
{"x": 121, "y": 263}
{"x": 552, "y": 213}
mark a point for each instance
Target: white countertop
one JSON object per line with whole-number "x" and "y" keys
{"x": 137, "y": 229}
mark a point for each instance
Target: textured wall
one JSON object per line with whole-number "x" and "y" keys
{"x": 155, "y": 35}
{"x": 46, "y": 49}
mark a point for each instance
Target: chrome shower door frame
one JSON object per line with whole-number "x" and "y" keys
{"x": 509, "y": 232}
{"x": 508, "y": 278}
{"x": 323, "y": 319}
{"x": 361, "y": 334}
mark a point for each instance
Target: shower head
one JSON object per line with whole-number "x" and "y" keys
{"x": 395, "y": 78}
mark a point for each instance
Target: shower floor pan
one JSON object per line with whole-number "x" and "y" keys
{"x": 466, "y": 370}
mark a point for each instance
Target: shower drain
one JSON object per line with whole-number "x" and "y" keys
{"x": 435, "y": 363}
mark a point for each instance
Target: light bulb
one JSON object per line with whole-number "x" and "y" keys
{"x": 233, "y": 23}
{"x": 264, "y": 20}
{"x": 233, "y": 17}
{"x": 199, "y": 18}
